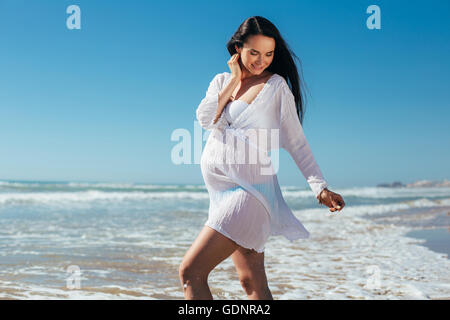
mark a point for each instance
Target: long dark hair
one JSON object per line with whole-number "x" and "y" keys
{"x": 283, "y": 62}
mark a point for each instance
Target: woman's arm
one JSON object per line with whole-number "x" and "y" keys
{"x": 293, "y": 140}
{"x": 209, "y": 112}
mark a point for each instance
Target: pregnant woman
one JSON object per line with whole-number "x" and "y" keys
{"x": 246, "y": 204}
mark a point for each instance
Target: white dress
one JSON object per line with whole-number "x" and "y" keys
{"x": 246, "y": 203}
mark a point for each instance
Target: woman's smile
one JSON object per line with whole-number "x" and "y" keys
{"x": 256, "y": 68}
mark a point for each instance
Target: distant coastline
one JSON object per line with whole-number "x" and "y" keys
{"x": 417, "y": 184}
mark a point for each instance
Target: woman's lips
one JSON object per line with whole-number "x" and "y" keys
{"x": 256, "y": 67}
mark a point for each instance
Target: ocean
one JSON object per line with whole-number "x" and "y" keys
{"x": 86, "y": 240}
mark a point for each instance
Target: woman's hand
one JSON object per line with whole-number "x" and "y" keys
{"x": 234, "y": 66}
{"x": 332, "y": 200}
{"x": 236, "y": 72}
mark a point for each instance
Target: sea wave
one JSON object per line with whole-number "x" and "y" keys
{"x": 93, "y": 195}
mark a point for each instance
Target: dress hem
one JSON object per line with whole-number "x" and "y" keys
{"x": 226, "y": 234}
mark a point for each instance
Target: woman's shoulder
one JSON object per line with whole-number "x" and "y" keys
{"x": 280, "y": 81}
{"x": 221, "y": 77}
{"x": 282, "y": 86}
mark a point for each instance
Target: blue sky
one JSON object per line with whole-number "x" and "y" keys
{"x": 100, "y": 103}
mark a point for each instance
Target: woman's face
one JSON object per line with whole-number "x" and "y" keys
{"x": 257, "y": 53}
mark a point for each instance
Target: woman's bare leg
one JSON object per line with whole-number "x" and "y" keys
{"x": 208, "y": 250}
{"x": 250, "y": 267}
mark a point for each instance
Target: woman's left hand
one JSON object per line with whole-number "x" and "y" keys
{"x": 331, "y": 199}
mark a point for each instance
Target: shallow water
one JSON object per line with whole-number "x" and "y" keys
{"x": 128, "y": 240}
{"x": 436, "y": 239}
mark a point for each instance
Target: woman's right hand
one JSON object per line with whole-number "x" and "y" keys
{"x": 234, "y": 66}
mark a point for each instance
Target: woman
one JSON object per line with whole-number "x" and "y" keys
{"x": 246, "y": 204}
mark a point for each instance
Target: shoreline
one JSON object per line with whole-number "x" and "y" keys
{"x": 436, "y": 239}
{"x": 431, "y": 224}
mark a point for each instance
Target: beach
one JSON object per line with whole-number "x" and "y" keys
{"x": 429, "y": 223}
{"x": 437, "y": 240}
{"x": 126, "y": 241}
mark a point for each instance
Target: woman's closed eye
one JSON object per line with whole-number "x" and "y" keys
{"x": 255, "y": 54}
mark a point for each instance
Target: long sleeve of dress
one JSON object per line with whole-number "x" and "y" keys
{"x": 293, "y": 140}
{"x": 207, "y": 109}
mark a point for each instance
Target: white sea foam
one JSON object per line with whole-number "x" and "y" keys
{"x": 94, "y": 195}
{"x": 374, "y": 192}
{"x": 101, "y": 185}
{"x": 349, "y": 257}
{"x": 349, "y": 254}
